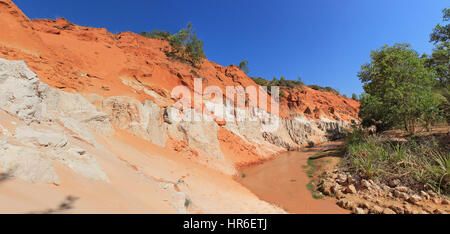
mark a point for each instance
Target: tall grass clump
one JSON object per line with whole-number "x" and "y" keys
{"x": 417, "y": 162}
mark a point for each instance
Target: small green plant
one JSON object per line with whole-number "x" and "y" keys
{"x": 312, "y": 167}
{"x": 244, "y": 175}
{"x": 317, "y": 195}
{"x": 244, "y": 66}
{"x": 310, "y": 186}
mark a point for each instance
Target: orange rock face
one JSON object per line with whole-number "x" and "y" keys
{"x": 89, "y": 60}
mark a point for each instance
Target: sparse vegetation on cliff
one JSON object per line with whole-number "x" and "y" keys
{"x": 244, "y": 66}
{"x": 283, "y": 82}
{"x": 324, "y": 89}
{"x": 185, "y": 44}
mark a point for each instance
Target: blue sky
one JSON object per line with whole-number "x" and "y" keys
{"x": 323, "y": 41}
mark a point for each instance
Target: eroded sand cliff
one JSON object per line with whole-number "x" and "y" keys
{"x": 85, "y": 113}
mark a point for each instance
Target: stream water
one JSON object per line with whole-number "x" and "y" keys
{"x": 282, "y": 181}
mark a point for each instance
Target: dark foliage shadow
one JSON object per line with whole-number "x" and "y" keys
{"x": 67, "y": 204}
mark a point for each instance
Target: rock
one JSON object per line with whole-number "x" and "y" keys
{"x": 400, "y": 195}
{"x": 358, "y": 210}
{"x": 346, "y": 204}
{"x": 28, "y": 164}
{"x": 394, "y": 183}
{"x": 376, "y": 187}
{"x": 432, "y": 194}
{"x": 364, "y": 205}
{"x": 341, "y": 179}
{"x": 402, "y": 189}
{"x": 202, "y": 136}
{"x": 333, "y": 176}
{"x": 76, "y": 109}
{"x": 438, "y": 211}
{"x": 339, "y": 194}
{"x": 414, "y": 199}
{"x": 408, "y": 209}
{"x": 365, "y": 184}
{"x": 388, "y": 211}
{"x": 397, "y": 209}
{"x": 19, "y": 91}
{"x": 385, "y": 187}
{"x": 335, "y": 188}
{"x": 376, "y": 209}
{"x": 425, "y": 195}
{"x": 423, "y": 212}
{"x": 436, "y": 201}
{"x": 30, "y": 137}
{"x": 350, "y": 180}
{"x": 325, "y": 188}
{"x": 80, "y": 161}
{"x": 444, "y": 202}
{"x": 143, "y": 120}
{"x": 350, "y": 189}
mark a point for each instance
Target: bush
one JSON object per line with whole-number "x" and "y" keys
{"x": 244, "y": 66}
{"x": 185, "y": 44}
{"x": 156, "y": 34}
{"x": 324, "y": 89}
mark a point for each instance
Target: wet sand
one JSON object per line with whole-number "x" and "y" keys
{"x": 282, "y": 181}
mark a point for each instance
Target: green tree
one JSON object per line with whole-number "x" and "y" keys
{"x": 440, "y": 58}
{"x": 398, "y": 89}
{"x": 274, "y": 82}
{"x": 244, "y": 66}
{"x": 439, "y": 61}
{"x": 184, "y": 45}
{"x": 355, "y": 97}
{"x": 300, "y": 82}
{"x": 194, "y": 46}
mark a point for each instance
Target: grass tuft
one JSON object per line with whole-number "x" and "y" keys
{"x": 416, "y": 162}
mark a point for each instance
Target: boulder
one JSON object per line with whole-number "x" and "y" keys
{"x": 402, "y": 189}
{"x": 388, "y": 211}
{"x": 414, "y": 199}
{"x": 350, "y": 189}
{"x": 358, "y": 210}
{"x": 394, "y": 183}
